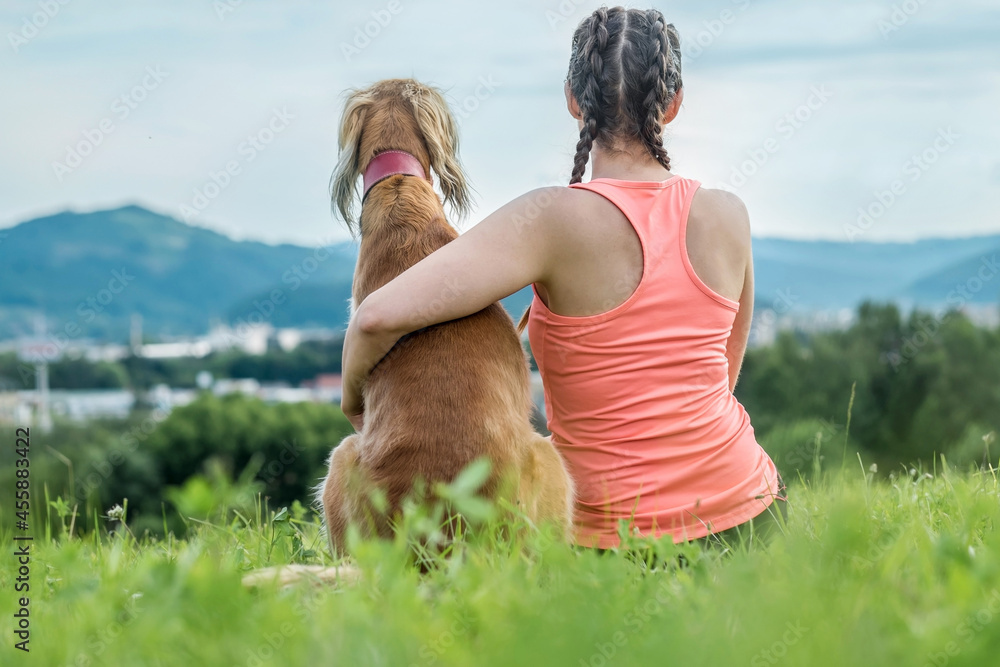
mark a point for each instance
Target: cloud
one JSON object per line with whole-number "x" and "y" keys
{"x": 891, "y": 92}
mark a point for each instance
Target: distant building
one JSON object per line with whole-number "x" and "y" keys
{"x": 85, "y": 348}
{"x": 983, "y": 315}
{"x": 769, "y": 322}
{"x": 197, "y": 349}
{"x": 166, "y": 398}
{"x": 325, "y": 387}
{"x": 79, "y": 405}
{"x": 253, "y": 339}
{"x": 13, "y": 411}
{"x": 22, "y": 407}
{"x": 105, "y": 352}
{"x": 247, "y": 386}
{"x": 282, "y": 393}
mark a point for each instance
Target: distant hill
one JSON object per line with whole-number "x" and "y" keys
{"x": 88, "y": 272}
{"x": 827, "y": 274}
{"x": 977, "y": 273}
{"x": 93, "y": 270}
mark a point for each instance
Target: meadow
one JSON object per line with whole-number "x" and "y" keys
{"x": 898, "y": 569}
{"x": 879, "y": 562}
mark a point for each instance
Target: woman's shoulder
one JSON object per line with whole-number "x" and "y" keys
{"x": 718, "y": 241}
{"x": 560, "y": 206}
{"x": 715, "y": 211}
{"x": 721, "y": 215}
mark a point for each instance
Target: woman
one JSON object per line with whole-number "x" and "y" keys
{"x": 643, "y": 288}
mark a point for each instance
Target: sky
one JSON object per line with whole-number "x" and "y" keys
{"x": 842, "y": 120}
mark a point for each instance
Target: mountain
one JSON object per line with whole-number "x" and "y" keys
{"x": 89, "y": 272}
{"x": 825, "y": 275}
{"x": 972, "y": 279}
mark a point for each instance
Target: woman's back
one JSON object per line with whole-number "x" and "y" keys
{"x": 638, "y": 394}
{"x": 603, "y": 254}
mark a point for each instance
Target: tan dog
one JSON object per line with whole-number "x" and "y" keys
{"x": 448, "y": 394}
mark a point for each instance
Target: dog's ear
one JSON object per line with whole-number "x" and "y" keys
{"x": 343, "y": 183}
{"x": 440, "y": 134}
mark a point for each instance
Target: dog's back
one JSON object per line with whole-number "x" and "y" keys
{"x": 446, "y": 395}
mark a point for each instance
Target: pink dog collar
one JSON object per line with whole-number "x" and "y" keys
{"x": 390, "y": 163}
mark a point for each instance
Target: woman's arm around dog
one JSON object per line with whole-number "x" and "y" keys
{"x": 512, "y": 248}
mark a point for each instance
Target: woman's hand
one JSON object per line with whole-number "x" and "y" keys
{"x": 357, "y": 421}
{"x": 365, "y": 343}
{"x": 352, "y": 405}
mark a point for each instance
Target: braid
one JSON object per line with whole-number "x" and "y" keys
{"x": 624, "y": 72}
{"x": 674, "y": 53}
{"x": 589, "y": 63}
{"x": 657, "y": 79}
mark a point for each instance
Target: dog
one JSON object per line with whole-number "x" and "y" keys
{"x": 448, "y": 394}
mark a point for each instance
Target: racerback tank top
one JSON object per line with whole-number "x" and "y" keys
{"x": 637, "y": 398}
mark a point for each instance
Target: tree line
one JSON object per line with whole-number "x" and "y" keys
{"x": 895, "y": 390}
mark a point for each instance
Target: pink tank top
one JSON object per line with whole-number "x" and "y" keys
{"x": 637, "y": 398}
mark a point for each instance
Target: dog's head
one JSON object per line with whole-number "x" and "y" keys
{"x": 400, "y": 114}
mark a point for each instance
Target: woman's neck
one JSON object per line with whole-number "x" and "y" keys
{"x": 627, "y": 164}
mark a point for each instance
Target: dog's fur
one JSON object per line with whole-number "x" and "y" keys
{"x": 448, "y": 394}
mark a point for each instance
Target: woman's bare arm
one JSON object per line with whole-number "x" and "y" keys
{"x": 502, "y": 254}
{"x": 737, "y": 346}
{"x": 718, "y": 245}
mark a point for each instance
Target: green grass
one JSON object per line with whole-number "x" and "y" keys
{"x": 904, "y": 571}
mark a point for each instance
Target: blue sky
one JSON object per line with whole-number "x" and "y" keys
{"x": 809, "y": 111}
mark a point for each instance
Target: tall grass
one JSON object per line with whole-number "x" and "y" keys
{"x": 898, "y": 571}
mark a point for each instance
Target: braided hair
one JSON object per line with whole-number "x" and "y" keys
{"x": 624, "y": 71}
